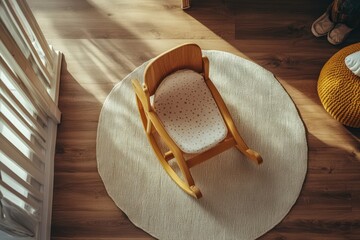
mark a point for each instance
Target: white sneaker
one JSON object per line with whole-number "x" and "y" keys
{"x": 352, "y": 61}
{"x": 322, "y": 25}
{"x": 338, "y": 34}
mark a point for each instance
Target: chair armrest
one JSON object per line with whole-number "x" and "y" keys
{"x": 142, "y": 93}
{"x": 162, "y": 132}
{"x": 226, "y": 114}
{"x": 205, "y": 61}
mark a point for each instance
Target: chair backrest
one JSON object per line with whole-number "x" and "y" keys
{"x": 187, "y": 56}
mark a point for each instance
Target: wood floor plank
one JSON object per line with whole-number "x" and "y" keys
{"x": 66, "y": 191}
{"x": 73, "y": 224}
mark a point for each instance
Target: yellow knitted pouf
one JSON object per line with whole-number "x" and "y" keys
{"x": 339, "y": 88}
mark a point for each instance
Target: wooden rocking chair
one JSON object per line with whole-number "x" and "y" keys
{"x": 179, "y": 102}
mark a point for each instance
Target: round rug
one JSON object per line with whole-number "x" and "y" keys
{"x": 240, "y": 200}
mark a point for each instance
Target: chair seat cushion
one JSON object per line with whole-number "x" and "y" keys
{"x": 188, "y": 112}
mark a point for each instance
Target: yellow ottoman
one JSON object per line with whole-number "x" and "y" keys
{"x": 339, "y": 88}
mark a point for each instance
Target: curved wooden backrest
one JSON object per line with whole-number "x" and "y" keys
{"x": 186, "y": 56}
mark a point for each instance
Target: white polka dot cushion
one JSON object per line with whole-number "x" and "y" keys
{"x": 188, "y": 112}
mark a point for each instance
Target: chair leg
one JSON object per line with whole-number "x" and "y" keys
{"x": 186, "y": 173}
{"x": 240, "y": 143}
{"x": 188, "y": 186}
{"x": 185, "y": 4}
{"x": 243, "y": 148}
{"x": 251, "y": 154}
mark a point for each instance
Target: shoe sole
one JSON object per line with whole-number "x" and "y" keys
{"x": 316, "y": 34}
{"x": 330, "y": 40}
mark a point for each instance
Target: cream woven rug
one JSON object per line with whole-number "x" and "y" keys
{"x": 240, "y": 200}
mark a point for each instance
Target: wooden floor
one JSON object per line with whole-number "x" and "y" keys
{"x": 103, "y": 41}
